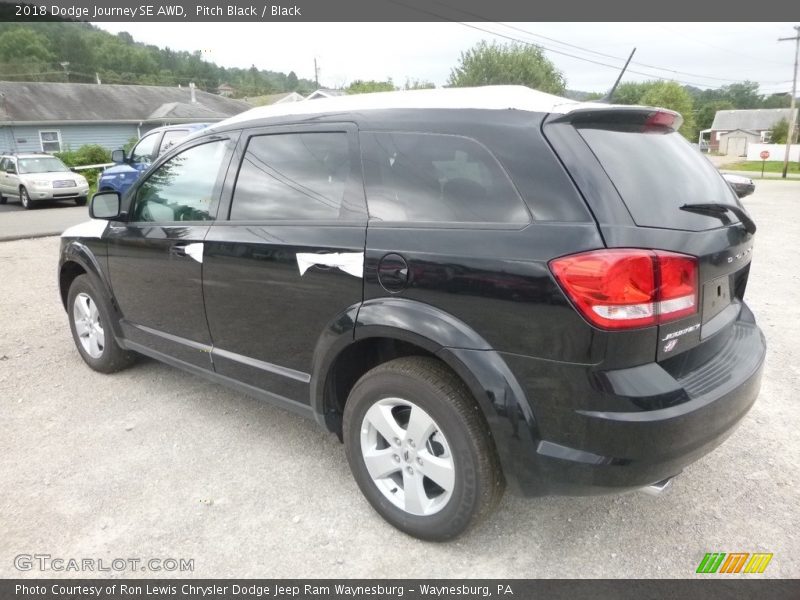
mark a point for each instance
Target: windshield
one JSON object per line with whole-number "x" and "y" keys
{"x": 657, "y": 173}
{"x": 44, "y": 164}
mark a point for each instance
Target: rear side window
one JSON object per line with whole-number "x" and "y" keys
{"x": 657, "y": 173}
{"x": 437, "y": 178}
{"x": 294, "y": 176}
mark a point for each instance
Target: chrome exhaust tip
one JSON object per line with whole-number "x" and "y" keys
{"x": 656, "y": 489}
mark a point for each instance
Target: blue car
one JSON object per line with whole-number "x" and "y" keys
{"x": 128, "y": 168}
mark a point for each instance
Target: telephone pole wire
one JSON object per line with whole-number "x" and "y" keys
{"x": 792, "y": 117}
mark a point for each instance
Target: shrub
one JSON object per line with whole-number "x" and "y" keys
{"x": 89, "y": 154}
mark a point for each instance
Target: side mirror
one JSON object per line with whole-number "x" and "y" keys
{"x": 118, "y": 156}
{"x": 11, "y": 171}
{"x": 105, "y": 205}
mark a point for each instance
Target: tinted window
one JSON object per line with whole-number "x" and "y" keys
{"x": 656, "y": 173}
{"x": 294, "y": 176}
{"x": 143, "y": 151}
{"x": 438, "y": 178}
{"x": 185, "y": 188}
{"x": 171, "y": 138}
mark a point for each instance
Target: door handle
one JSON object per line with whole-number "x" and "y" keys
{"x": 193, "y": 250}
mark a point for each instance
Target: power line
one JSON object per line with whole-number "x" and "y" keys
{"x": 580, "y": 48}
{"x": 704, "y": 43}
{"x": 589, "y": 60}
{"x": 633, "y": 62}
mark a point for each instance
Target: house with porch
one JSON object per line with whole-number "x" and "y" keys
{"x": 734, "y": 130}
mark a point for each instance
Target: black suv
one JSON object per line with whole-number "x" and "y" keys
{"x": 471, "y": 288}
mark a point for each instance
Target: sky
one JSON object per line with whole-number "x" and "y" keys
{"x": 706, "y": 55}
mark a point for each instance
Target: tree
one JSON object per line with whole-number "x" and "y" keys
{"x": 26, "y": 45}
{"x": 291, "y": 81}
{"x": 507, "y": 64}
{"x": 779, "y": 132}
{"x": 742, "y": 95}
{"x": 416, "y": 84}
{"x": 632, "y": 92}
{"x": 778, "y": 100}
{"x": 367, "y": 87}
{"x": 706, "y": 112}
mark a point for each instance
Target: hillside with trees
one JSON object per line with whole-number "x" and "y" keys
{"x": 36, "y": 51}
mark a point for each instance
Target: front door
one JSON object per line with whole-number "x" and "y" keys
{"x": 155, "y": 259}
{"x": 288, "y": 262}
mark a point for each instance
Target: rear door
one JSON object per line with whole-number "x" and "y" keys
{"x": 638, "y": 174}
{"x": 288, "y": 262}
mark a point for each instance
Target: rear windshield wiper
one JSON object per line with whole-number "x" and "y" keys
{"x": 719, "y": 208}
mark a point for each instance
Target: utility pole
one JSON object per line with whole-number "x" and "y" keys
{"x": 316, "y": 73}
{"x": 792, "y": 118}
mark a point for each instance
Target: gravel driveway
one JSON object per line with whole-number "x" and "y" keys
{"x": 155, "y": 463}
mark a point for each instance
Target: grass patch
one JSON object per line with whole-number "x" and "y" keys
{"x": 755, "y": 165}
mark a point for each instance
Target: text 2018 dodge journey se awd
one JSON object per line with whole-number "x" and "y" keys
{"x": 471, "y": 288}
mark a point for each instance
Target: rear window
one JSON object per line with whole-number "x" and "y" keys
{"x": 434, "y": 178}
{"x": 656, "y": 173}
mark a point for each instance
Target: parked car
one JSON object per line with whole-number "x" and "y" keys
{"x": 579, "y": 326}
{"x": 743, "y": 186}
{"x": 128, "y": 168}
{"x": 36, "y": 177}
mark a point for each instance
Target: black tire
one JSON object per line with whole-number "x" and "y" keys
{"x": 113, "y": 358}
{"x": 3, "y": 199}
{"x": 25, "y": 199}
{"x": 80, "y": 201}
{"x": 478, "y": 482}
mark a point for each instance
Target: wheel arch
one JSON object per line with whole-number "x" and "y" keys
{"x": 77, "y": 259}
{"x": 389, "y": 328}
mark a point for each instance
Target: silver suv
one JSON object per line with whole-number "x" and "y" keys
{"x": 38, "y": 176}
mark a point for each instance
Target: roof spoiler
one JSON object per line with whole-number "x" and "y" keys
{"x": 615, "y": 116}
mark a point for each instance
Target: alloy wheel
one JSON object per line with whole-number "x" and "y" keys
{"x": 87, "y": 325}
{"x": 407, "y": 456}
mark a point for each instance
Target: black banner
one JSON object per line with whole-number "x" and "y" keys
{"x": 397, "y": 10}
{"x": 388, "y": 589}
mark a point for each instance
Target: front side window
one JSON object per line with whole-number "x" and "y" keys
{"x": 41, "y": 164}
{"x": 185, "y": 188}
{"x": 422, "y": 177}
{"x": 51, "y": 141}
{"x": 294, "y": 176}
{"x": 143, "y": 151}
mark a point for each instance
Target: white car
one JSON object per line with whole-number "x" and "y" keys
{"x": 36, "y": 177}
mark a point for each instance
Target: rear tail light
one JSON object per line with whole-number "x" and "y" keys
{"x": 628, "y": 288}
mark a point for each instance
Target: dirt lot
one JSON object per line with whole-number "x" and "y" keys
{"x": 155, "y": 463}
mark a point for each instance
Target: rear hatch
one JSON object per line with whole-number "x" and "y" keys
{"x": 649, "y": 189}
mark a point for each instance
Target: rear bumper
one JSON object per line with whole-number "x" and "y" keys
{"x": 617, "y": 430}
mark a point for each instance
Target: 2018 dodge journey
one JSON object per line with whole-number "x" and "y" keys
{"x": 472, "y": 288}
